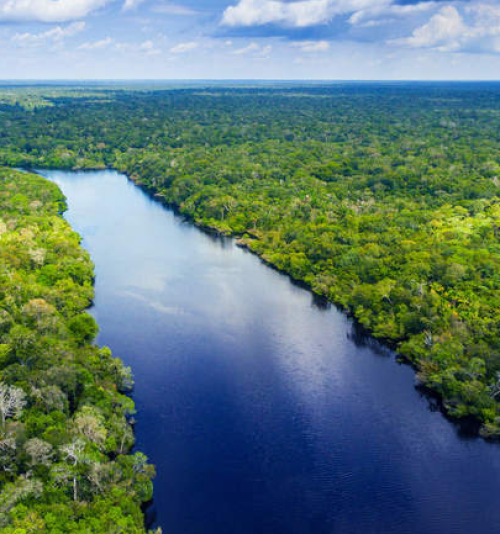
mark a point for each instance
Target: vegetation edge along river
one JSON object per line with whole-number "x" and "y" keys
{"x": 65, "y": 418}
{"x": 383, "y": 199}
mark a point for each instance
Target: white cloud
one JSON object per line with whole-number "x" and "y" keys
{"x": 96, "y": 45}
{"x": 372, "y": 16}
{"x": 444, "y": 29}
{"x": 48, "y": 10}
{"x": 475, "y": 29}
{"x": 312, "y": 46}
{"x": 181, "y": 48}
{"x": 54, "y": 34}
{"x": 298, "y": 14}
{"x": 130, "y": 5}
{"x": 457, "y": 25}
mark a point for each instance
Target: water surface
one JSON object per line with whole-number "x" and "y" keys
{"x": 262, "y": 409}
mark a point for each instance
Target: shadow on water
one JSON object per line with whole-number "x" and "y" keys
{"x": 467, "y": 428}
{"x": 361, "y": 338}
{"x": 150, "y": 515}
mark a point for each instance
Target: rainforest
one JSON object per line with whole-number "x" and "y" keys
{"x": 384, "y": 199}
{"x": 65, "y": 428}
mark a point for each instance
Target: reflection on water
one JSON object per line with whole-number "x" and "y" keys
{"x": 263, "y": 408}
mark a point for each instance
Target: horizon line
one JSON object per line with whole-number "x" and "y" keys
{"x": 240, "y": 80}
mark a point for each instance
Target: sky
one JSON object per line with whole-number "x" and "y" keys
{"x": 250, "y": 39}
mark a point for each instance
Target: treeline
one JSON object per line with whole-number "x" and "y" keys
{"x": 385, "y": 199}
{"x": 65, "y": 432}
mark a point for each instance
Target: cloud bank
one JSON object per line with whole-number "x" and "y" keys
{"x": 298, "y": 14}
{"x": 444, "y": 26}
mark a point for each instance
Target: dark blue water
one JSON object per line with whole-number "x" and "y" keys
{"x": 262, "y": 409}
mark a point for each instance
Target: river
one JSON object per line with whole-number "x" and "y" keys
{"x": 261, "y": 407}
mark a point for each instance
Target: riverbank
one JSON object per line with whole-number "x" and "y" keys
{"x": 67, "y": 436}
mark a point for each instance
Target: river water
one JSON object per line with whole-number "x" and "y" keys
{"x": 262, "y": 408}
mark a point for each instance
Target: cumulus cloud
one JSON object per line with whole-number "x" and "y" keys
{"x": 297, "y": 14}
{"x": 312, "y": 46}
{"x": 47, "y": 10}
{"x": 445, "y": 28}
{"x": 182, "y": 48}
{"x": 58, "y": 33}
{"x": 474, "y": 29}
{"x": 451, "y": 25}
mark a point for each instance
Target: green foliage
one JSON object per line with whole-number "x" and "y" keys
{"x": 383, "y": 198}
{"x": 83, "y": 327}
{"x": 65, "y": 438}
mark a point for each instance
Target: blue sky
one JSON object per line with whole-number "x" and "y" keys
{"x": 250, "y": 39}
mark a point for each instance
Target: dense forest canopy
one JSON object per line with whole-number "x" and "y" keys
{"x": 385, "y": 198}
{"x": 65, "y": 431}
